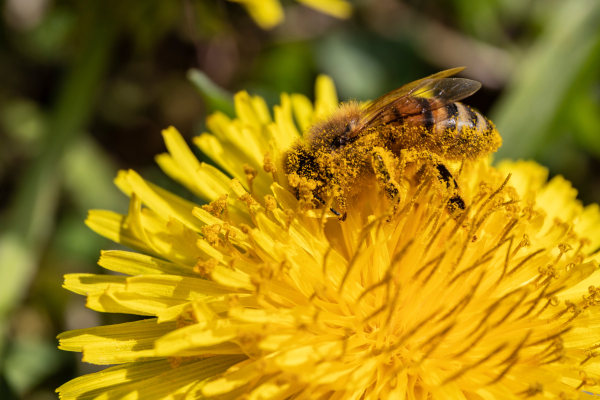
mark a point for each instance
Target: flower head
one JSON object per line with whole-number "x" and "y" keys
{"x": 258, "y": 295}
{"x": 269, "y": 13}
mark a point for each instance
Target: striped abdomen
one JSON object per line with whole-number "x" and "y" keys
{"x": 453, "y": 131}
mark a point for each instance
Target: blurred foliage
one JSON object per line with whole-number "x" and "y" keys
{"x": 87, "y": 87}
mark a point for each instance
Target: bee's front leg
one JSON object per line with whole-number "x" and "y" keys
{"x": 385, "y": 178}
{"x": 340, "y": 198}
{"x": 341, "y": 201}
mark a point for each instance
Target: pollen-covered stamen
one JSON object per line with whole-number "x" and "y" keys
{"x": 579, "y": 256}
{"x": 251, "y": 174}
{"x": 211, "y": 234}
{"x": 575, "y": 310}
{"x": 589, "y": 354}
{"x": 218, "y": 208}
{"x": 252, "y": 205}
{"x": 586, "y": 381}
{"x": 291, "y": 216}
{"x": 523, "y": 243}
{"x": 546, "y": 274}
{"x": 205, "y": 268}
{"x": 269, "y": 166}
{"x": 270, "y": 203}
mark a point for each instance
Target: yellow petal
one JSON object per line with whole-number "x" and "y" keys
{"x": 558, "y": 200}
{"x": 113, "y": 226}
{"x": 175, "y": 287}
{"x": 244, "y": 110}
{"x": 589, "y": 227}
{"x": 87, "y": 283}
{"x": 175, "y": 172}
{"x": 92, "y": 385}
{"x": 284, "y": 129}
{"x": 528, "y": 177}
{"x": 146, "y": 231}
{"x": 326, "y": 99}
{"x": 266, "y": 13}
{"x": 303, "y": 111}
{"x": 229, "y": 158}
{"x": 275, "y": 388}
{"x": 574, "y": 275}
{"x": 140, "y": 264}
{"x": 172, "y": 313}
{"x": 182, "y": 165}
{"x": 337, "y": 8}
{"x": 261, "y": 109}
{"x": 232, "y": 279}
{"x": 162, "y": 202}
{"x": 105, "y": 345}
{"x": 244, "y": 373}
{"x": 117, "y": 300}
{"x": 148, "y": 381}
{"x": 198, "y": 335}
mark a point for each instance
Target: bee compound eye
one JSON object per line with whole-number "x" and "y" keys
{"x": 337, "y": 142}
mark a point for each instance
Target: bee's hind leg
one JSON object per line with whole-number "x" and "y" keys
{"x": 384, "y": 176}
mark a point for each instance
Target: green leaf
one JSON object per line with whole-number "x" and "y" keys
{"x": 16, "y": 270}
{"x": 216, "y": 98}
{"x": 28, "y": 362}
{"x": 88, "y": 176}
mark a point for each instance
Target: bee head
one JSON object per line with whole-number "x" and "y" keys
{"x": 335, "y": 131}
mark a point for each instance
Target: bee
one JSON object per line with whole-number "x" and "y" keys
{"x": 359, "y": 141}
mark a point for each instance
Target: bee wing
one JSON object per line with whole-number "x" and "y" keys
{"x": 425, "y": 94}
{"x": 409, "y": 87}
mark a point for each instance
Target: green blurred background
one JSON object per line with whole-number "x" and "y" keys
{"x": 87, "y": 86}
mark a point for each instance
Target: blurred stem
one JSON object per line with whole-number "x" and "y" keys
{"x": 31, "y": 216}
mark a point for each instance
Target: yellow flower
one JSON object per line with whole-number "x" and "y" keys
{"x": 253, "y": 296}
{"x": 269, "y": 13}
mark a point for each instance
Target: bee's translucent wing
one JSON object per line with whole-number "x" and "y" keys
{"x": 409, "y": 87}
{"x": 416, "y": 97}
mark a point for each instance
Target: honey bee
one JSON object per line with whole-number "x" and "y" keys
{"x": 356, "y": 141}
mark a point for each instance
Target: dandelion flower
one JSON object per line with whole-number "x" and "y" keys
{"x": 269, "y": 13}
{"x": 254, "y": 296}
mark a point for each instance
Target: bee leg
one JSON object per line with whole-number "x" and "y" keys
{"x": 456, "y": 202}
{"x": 341, "y": 201}
{"x": 387, "y": 182}
{"x": 333, "y": 210}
